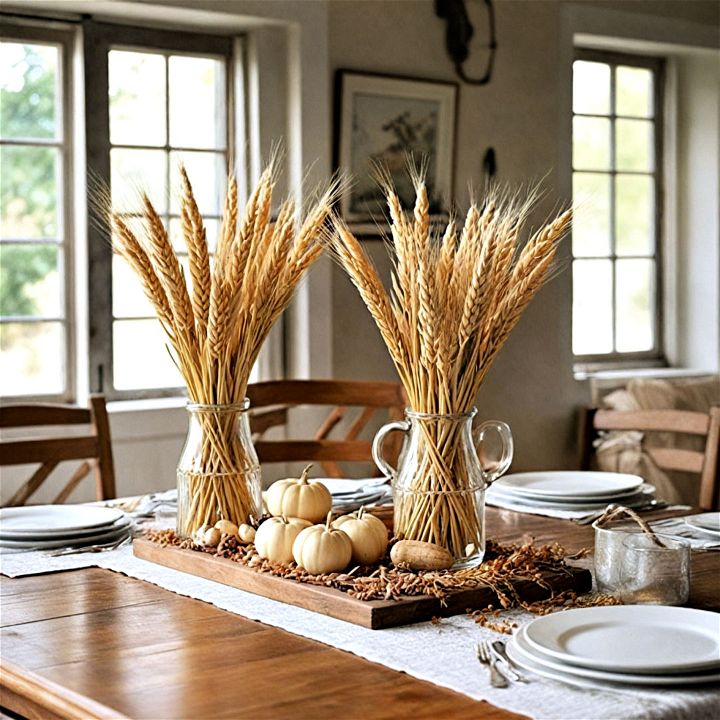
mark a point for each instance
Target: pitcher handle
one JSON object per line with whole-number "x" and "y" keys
{"x": 383, "y": 465}
{"x": 506, "y": 440}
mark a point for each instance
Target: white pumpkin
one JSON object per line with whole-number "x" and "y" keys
{"x": 299, "y": 498}
{"x": 246, "y": 533}
{"x": 275, "y": 537}
{"x": 322, "y": 549}
{"x": 227, "y": 528}
{"x": 368, "y": 535}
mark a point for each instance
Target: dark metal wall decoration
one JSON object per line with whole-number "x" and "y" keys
{"x": 459, "y": 33}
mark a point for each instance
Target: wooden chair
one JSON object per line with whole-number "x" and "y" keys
{"x": 270, "y": 402}
{"x": 50, "y": 450}
{"x": 705, "y": 464}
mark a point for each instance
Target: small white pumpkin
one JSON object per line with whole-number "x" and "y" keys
{"x": 274, "y": 538}
{"x": 299, "y": 498}
{"x": 198, "y": 536}
{"x": 212, "y": 537}
{"x": 322, "y": 549}
{"x": 246, "y": 533}
{"x": 226, "y": 527}
{"x": 368, "y": 535}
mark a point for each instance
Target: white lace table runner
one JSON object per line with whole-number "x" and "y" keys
{"x": 442, "y": 654}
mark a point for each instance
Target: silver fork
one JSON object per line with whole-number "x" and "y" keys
{"x": 498, "y": 648}
{"x": 497, "y": 679}
{"x": 91, "y": 548}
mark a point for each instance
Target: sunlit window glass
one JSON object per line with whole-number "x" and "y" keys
{"x": 33, "y": 330}
{"x": 165, "y": 109}
{"x": 615, "y": 195}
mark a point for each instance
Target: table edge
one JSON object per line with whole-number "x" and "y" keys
{"x": 48, "y": 696}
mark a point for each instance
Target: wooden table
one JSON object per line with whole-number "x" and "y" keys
{"x": 94, "y": 643}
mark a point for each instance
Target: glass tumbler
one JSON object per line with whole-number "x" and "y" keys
{"x": 654, "y": 574}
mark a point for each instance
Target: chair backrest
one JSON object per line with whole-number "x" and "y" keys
{"x": 50, "y": 449}
{"x": 707, "y": 425}
{"x": 270, "y": 402}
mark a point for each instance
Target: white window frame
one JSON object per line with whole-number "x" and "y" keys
{"x": 100, "y": 38}
{"x": 656, "y": 355}
{"x": 36, "y": 33}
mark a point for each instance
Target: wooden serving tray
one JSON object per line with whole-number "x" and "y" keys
{"x": 374, "y": 614}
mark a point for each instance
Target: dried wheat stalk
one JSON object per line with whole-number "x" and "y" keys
{"x": 217, "y": 326}
{"x": 452, "y": 305}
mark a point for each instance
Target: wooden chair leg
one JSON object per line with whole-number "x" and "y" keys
{"x": 80, "y": 473}
{"x": 105, "y": 469}
{"x": 586, "y": 436}
{"x": 710, "y": 476}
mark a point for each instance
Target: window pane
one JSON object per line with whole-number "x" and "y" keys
{"x": 207, "y": 173}
{"x": 29, "y": 182}
{"x": 591, "y": 218}
{"x": 29, "y": 91}
{"x": 137, "y": 98}
{"x": 591, "y": 88}
{"x": 634, "y": 145}
{"x": 151, "y": 368}
{"x": 197, "y": 103}
{"x": 133, "y": 172}
{"x": 30, "y": 281}
{"x": 212, "y": 228}
{"x": 591, "y": 143}
{"x": 128, "y": 295}
{"x": 634, "y": 300}
{"x": 32, "y": 359}
{"x": 634, "y": 92}
{"x": 592, "y": 307}
{"x": 635, "y": 215}
{"x": 129, "y": 299}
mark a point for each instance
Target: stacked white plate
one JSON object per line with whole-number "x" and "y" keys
{"x": 349, "y": 494}
{"x": 570, "y": 490}
{"x": 622, "y": 645}
{"x": 707, "y": 523}
{"x": 45, "y": 527}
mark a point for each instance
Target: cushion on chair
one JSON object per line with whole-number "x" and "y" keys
{"x": 622, "y": 451}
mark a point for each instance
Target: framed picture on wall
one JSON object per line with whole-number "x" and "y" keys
{"x": 384, "y": 120}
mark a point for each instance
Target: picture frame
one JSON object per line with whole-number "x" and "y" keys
{"x": 386, "y": 120}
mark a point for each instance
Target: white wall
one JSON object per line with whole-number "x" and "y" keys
{"x": 698, "y": 246}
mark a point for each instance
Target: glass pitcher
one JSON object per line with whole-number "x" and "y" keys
{"x": 218, "y": 475}
{"x": 439, "y": 484}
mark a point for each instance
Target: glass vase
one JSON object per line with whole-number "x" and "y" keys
{"x": 218, "y": 475}
{"x": 439, "y": 484}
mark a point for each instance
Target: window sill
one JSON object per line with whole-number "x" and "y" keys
{"x": 618, "y": 374}
{"x": 149, "y": 419}
{"x": 146, "y": 404}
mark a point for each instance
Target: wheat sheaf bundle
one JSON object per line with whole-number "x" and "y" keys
{"x": 217, "y": 322}
{"x": 454, "y": 298}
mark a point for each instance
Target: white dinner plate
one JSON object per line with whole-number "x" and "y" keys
{"x": 347, "y": 486}
{"x": 59, "y": 534}
{"x": 524, "y": 655}
{"x": 102, "y": 535}
{"x": 570, "y": 500}
{"x": 642, "y": 639}
{"x": 707, "y": 522}
{"x": 49, "y": 520}
{"x": 570, "y": 483}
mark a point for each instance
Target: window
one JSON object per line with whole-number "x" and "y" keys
{"x": 167, "y": 102}
{"x": 617, "y": 134}
{"x": 35, "y": 217}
